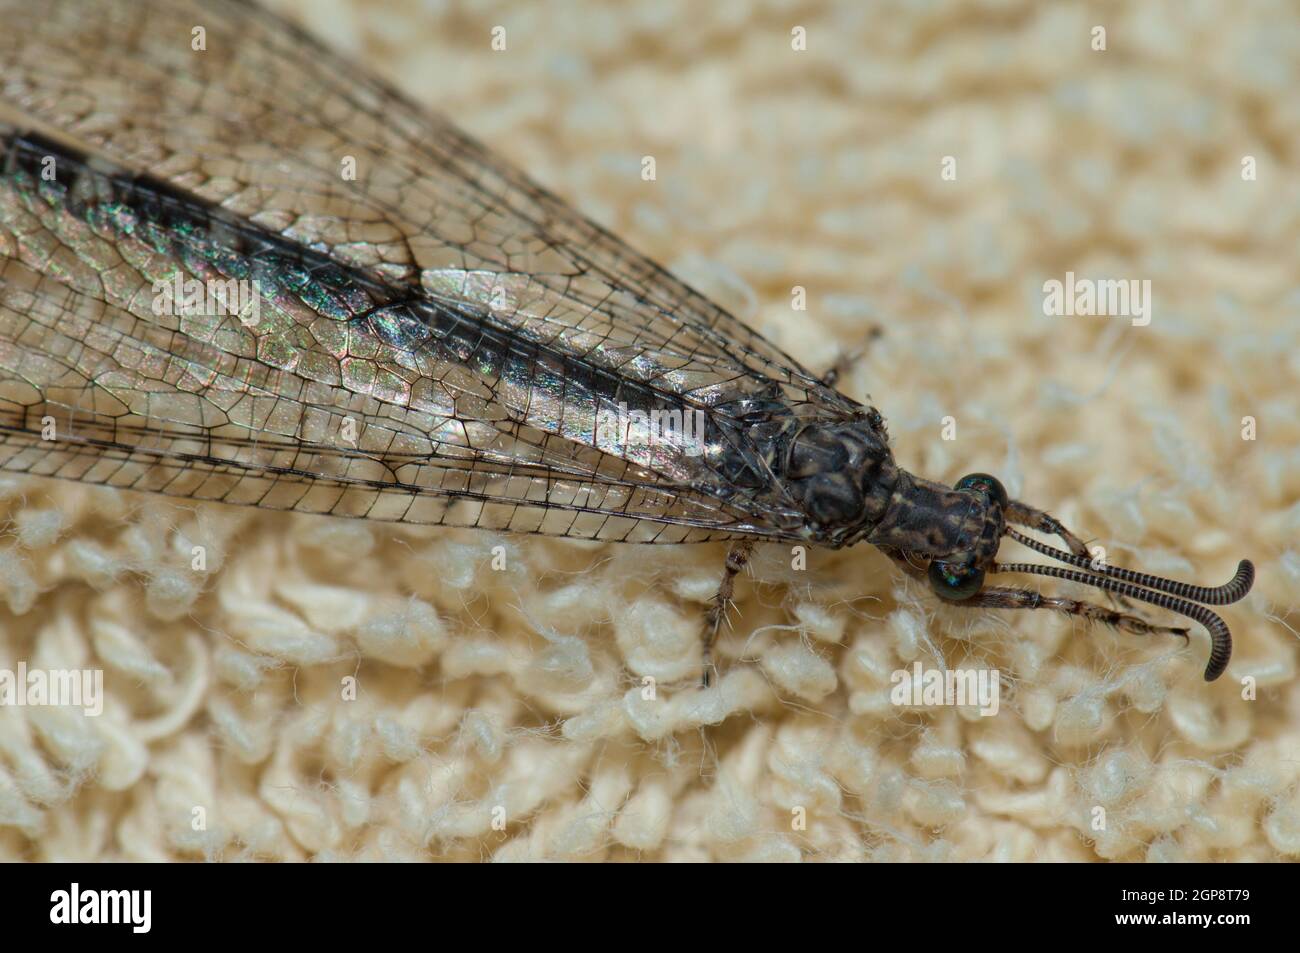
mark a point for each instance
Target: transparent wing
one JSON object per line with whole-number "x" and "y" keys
{"x": 453, "y": 333}
{"x": 320, "y": 398}
{"x": 261, "y": 121}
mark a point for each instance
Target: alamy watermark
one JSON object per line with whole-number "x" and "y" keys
{"x": 921, "y": 687}
{"x": 133, "y": 908}
{"x": 56, "y": 687}
{"x": 215, "y": 296}
{"x": 1105, "y": 297}
{"x": 679, "y": 428}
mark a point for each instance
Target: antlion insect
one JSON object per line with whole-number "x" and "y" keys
{"x": 234, "y": 268}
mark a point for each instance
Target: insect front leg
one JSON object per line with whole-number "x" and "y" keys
{"x": 906, "y": 564}
{"x": 848, "y": 358}
{"x": 1022, "y": 514}
{"x": 1000, "y": 597}
{"x": 737, "y": 558}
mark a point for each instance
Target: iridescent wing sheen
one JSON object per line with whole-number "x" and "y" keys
{"x": 438, "y": 355}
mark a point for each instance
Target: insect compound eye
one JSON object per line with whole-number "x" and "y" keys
{"x": 983, "y": 483}
{"x": 955, "y": 582}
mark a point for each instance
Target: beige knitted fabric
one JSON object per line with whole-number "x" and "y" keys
{"x": 502, "y": 709}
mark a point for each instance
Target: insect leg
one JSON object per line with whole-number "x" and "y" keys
{"x": 999, "y": 597}
{"x": 1022, "y": 514}
{"x": 848, "y": 358}
{"x": 737, "y": 557}
{"x": 900, "y": 557}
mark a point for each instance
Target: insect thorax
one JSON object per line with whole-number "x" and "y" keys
{"x": 842, "y": 477}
